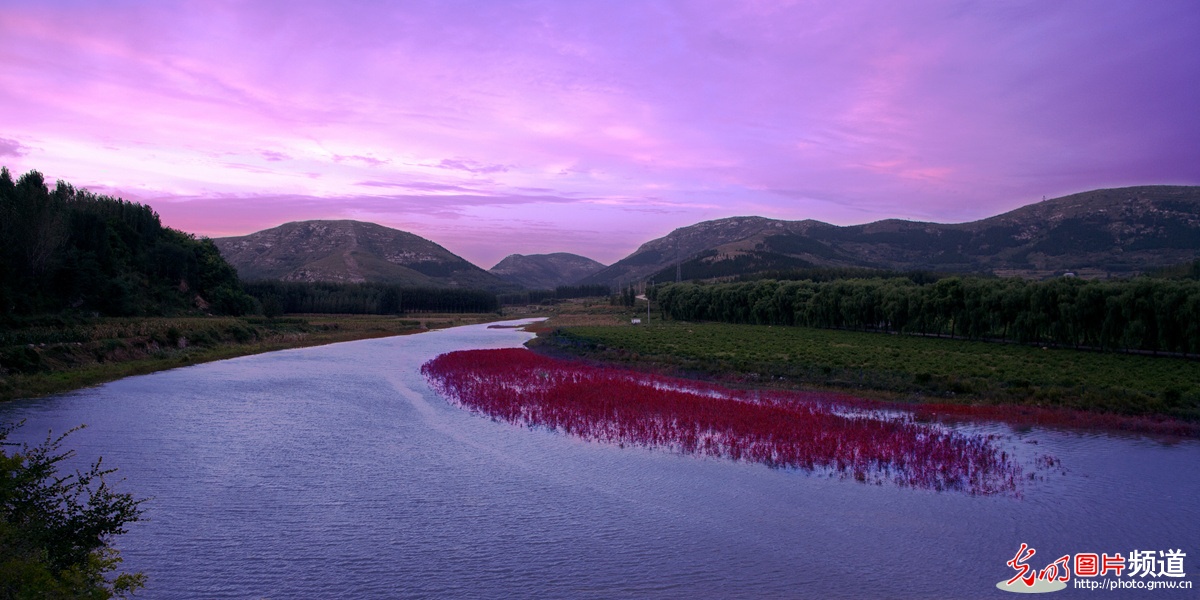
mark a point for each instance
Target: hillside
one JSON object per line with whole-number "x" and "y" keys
{"x": 351, "y": 252}
{"x": 1116, "y": 232}
{"x": 545, "y": 271}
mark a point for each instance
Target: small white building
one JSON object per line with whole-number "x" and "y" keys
{"x": 635, "y": 321}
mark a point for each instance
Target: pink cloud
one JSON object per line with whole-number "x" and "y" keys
{"x": 470, "y": 166}
{"x": 606, "y": 113}
{"x": 11, "y": 148}
{"x": 369, "y": 161}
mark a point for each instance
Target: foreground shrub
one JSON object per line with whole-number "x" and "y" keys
{"x": 55, "y": 529}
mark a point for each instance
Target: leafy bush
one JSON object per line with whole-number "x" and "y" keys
{"x": 55, "y": 530}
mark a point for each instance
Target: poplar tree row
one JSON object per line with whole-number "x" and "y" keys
{"x": 562, "y": 292}
{"x": 1145, "y": 314}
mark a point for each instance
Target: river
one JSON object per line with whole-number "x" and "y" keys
{"x": 335, "y": 472}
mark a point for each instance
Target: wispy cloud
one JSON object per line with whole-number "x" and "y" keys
{"x": 369, "y": 161}
{"x": 427, "y": 186}
{"x": 11, "y": 148}
{"x": 273, "y": 156}
{"x": 471, "y": 166}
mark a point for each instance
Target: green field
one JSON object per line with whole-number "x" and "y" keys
{"x": 898, "y": 367}
{"x": 47, "y": 355}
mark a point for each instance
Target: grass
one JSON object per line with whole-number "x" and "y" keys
{"x": 53, "y": 355}
{"x": 893, "y": 367}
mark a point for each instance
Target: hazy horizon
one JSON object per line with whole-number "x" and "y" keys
{"x": 494, "y": 128}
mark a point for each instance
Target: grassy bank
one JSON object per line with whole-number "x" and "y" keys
{"x": 897, "y": 368}
{"x": 54, "y": 354}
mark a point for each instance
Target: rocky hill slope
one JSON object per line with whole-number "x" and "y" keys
{"x": 545, "y": 271}
{"x": 351, "y": 252}
{"x": 1099, "y": 233}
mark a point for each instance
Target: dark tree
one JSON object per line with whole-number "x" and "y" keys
{"x": 55, "y": 529}
{"x": 67, "y": 249}
{"x": 1147, "y": 314}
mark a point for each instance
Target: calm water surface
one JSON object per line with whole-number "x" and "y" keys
{"x": 335, "y": 472}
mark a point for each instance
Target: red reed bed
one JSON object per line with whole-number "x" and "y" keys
{"x": 1056, "y": 417}
{"x": 782, "y": 429}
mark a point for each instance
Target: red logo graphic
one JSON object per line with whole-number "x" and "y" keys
{"x": 1140, "y": 564}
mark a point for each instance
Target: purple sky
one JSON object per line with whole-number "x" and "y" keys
{"x": 593, "y": 126}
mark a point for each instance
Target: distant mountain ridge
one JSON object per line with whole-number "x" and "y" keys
{"x": 545, "y": 271}
{"x": 1102, "y": 232}
{"x": 1117, "y": 232}
{"x": 351, "y": 252}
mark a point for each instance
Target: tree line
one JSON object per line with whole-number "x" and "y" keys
{"x": 562, "y": 292}
{"x": 278, "y": 297}
{"x": 1187, "y": 270}
{"x": 69, "y": 249}
{"x": 1145, "y": 314}
{"x": 627, "y": 296}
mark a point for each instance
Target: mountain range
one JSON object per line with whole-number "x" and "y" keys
{"x": 351, "y": 252}
{"x": 1093, "y": 234}
{"x": 545, "y": 271}
{"x": 1099, "y": 233}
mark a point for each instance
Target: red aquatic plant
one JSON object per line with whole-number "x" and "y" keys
{"x": 1057, "y": 417}
{"x": 800, "y": 430}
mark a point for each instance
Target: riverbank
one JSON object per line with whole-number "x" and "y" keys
{"x": 333, "y": 445}
{"x": 951, "y": 378}
{"x": 53, "y": 355}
